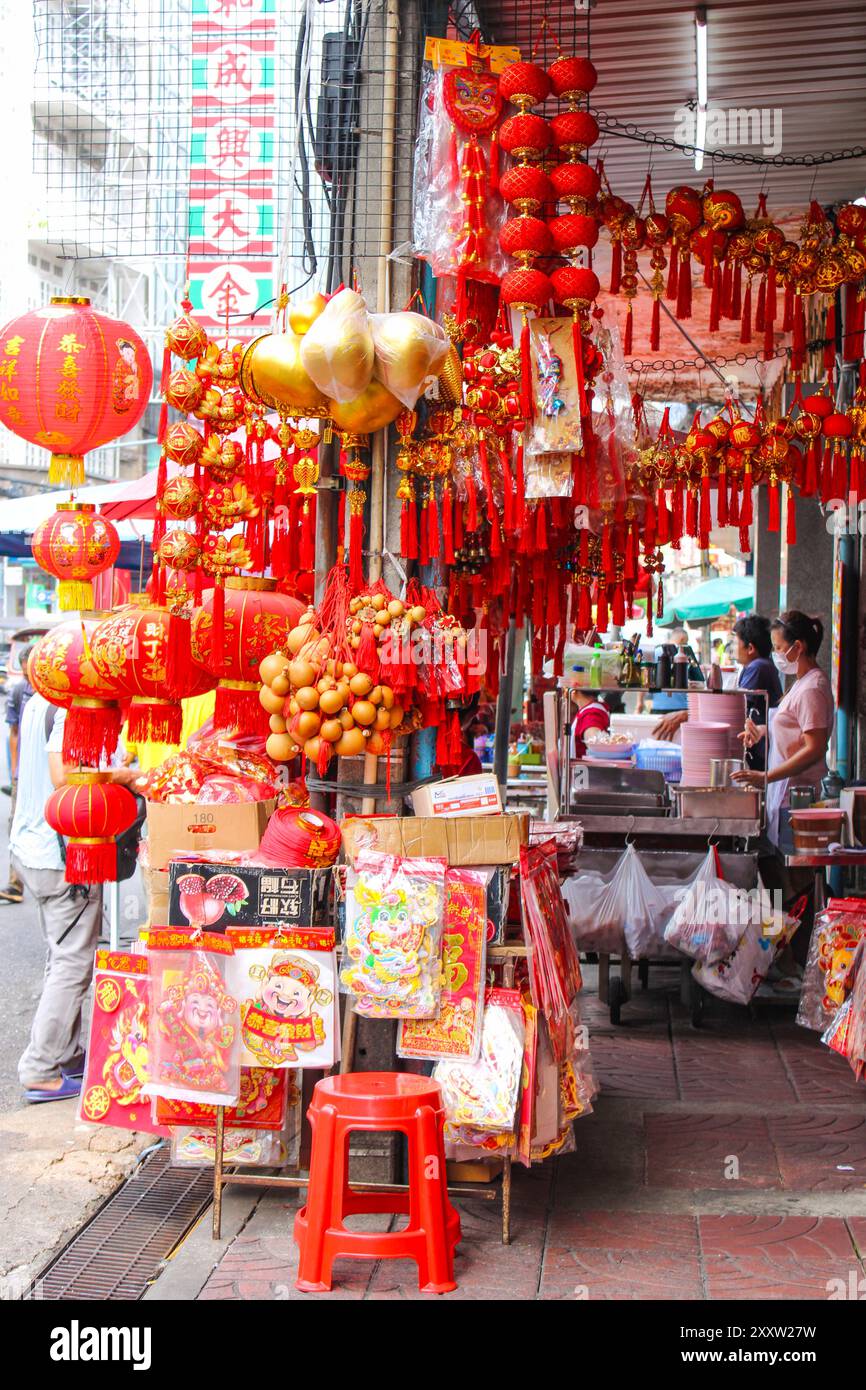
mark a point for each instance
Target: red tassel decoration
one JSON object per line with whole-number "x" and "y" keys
{"x": 734, "y": 504}
{"x": 770, "y": 314}
{"x": 746, "y": 320}
{"x": 810, "y": 471}
{"x": 736, "y": 291}
{"x": 840, "y": 471}
{"x": 433, "y": 541}
{"x": 722, "y": 496}
{"x": 684, "y": 288}
{"x": 655, "y": 325}
{"x": 716, "y": 299}
{"x": 727, "y": 288}
{"x": 507, "y": 493}
{"x": 447, "y": 525}
{"x": 629, "y": 331}
{"x": 526, "y": 408}
{"x": 649, "y": 607}
{"x": 663, "y": 530}
{"x": 827, "y": 478}
{"x": 746, "y": 510}
{"x": 584, "y": 609}
{"x": 615, "y": 266}
{"x": 788, "y": 309}
{"x": 520, "y": 489}
{"x": 602, "y": 618}
{"x": 705, "y": 518}
{"x": 178, "y": 657}
{"x": 409, "y": 528}
{"x": 774, "y": 513}
{"x": 791, "y": 525}
{"x": 761, "y": 308}
{"x": 459, "y": 532}
{"x": 157, "y": 721}
{"x": 691, "y": 513}
{"x": 618, "y": 607}
{"x": 90, "y": 732}
{"x": 472, "y": 504}
{"x": 673, "y": 275}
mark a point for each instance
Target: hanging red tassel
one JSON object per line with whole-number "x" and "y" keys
{"x": 827, "y": 478}
{"x": 423, "y": 536}
{"x": 409, "y": 528}
{"x": 727, "y": 288}
{"x": 615, "y": 266}
{"x": 433, "y": 535}
{"x": 705, "y": 518}
{"x": 178, "y": 656}
{"x": 774, "y": 509}
{"x": 447, "y": 525}
{"x": 540, "y": 528}
{"x": 840, "y": 471}
{"x": 526, "y": 408}
{"x": 520, "y": 488}
{"x": 761, "y": 308}
{"x": 459, "y": 532}
{"x": 791, "y": 525}
{"x": 746, "y": 320}
{"x": 629, "y": 331}
{"x": 734, "y": 504}
{"x": 472, "y": 504}
{"x": 655, "y": 324}
{"x": 494, "y": 163}
{"x": 809, "y": 485}
{"x": 660, "y": 598}
{"x": 716, "y": 299}
{"x": 618, "y": 607}
{"x": 673, "y": 275}
{"x": 602, "y": 617}
{"x": 770, "y": 314}
{"x": 90, "y": 732}
{"x": 722, "y": 496}
{"x": 218, "y": 628}
{"x": 663, "y": 530}
{"x": 606, "y": 550}
{"x": 736, "y": 291}
{"x": 684, "y": 288}
{"x": 691, "y": 513}
{"x": 788, "y": 309}
{"x": 650, "y": 526}
{"x": 746, "y": 510}
{"x": 584, "y": 609}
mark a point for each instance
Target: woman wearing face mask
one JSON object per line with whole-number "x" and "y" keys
{"x": 799, "y": 729}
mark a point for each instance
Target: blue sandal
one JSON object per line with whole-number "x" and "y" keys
{"x": 68, "y": 1089}
{"x": 76, "y": 1067}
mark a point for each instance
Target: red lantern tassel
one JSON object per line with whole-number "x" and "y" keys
{"x": 827, "y": 474}
{"x": 650, "y": 526}
{"x": 774, "y": 510}
{"x": 423, "y": 537}
{"x": 584, "y": 609}
{"x": 746, "y": 320}
{"x": 156, "y": 721}
{"x": 602, "y": 617}
{"x": 663, "y": 530}
{"x": 526, "y": 409}
{"x": 761, "y": 309}
{"x": 629, "y": 331}
{"x": 606, "y": 550}
{"x": 178, "y": 657}
{"x": 448, "y": 525}
{"x": 540, "y": 528}
{"x": 676, "y": 514}
{"x": 746, "y": 510}
{"x": 660, "y": 598}
{"x": 507, "y": 494}
{"x": 472, "y": 504}
{"x": 356, "y": 541}
{"x": 494, "y": 163}
{"x": 691, "y": 513}
{"x": 90, "y": 732}
{"x": 716, "y": 299}
{"x": 433, "y": 540}
{"x": 830, "y": 339}
{"x": 89, "y": 861}
{"x": 705, "y": 517}
{"x": 673, "y": 275}
{"x": 655, "y": 324}
{"x": 307, "y": 547}
{"x": 615, "y": 266}
{"x": 840, "y": 471}
{"x": 727, "y": 288}
{"x": 788, "y": 309}
{"x": 239, "y": 709}
{"x": 770, "y": 314}
{"x": 736, "y": 291}
{"x": 163, "y": 423}
{"x": 791, "y": 525}
{"x": 618, "y": 607}
{"x": 218, "y": 627}
{"x": 734, "y": 504}
{"x": 684, "y": 288}
{"x": 459, "y": 534}
{"x": 409, "y": 528}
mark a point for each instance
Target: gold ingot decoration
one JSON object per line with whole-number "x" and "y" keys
{"x": 273, "y": 374}
{"x": 367, "y": 412}
{"x": 303, "y": 315}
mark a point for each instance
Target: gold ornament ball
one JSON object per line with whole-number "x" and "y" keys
{"x": 303, "y": 315}
{"x": 272, "y": 372}
{"x": 374, "y": 408}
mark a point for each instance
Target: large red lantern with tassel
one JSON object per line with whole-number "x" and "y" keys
{"x": 90, "y": 811}
{"x": 132, "y": 648}
{"x": 257, "y": 620}
{"x": 61, "y": 668}
{"x": 72, "y": 380}
{"x": 75, "y": 545}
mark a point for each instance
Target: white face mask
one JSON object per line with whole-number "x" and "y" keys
{"x": 783, "y": 664}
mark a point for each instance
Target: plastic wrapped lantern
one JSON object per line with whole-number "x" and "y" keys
{"x": 73, "y": 379}
{"x": 131, "y": 647}
{"x": 75, "y": 545}
{"x": 257, "y": 620}
{"x": 90, "y": 811}
{"x": 62, "y": 670}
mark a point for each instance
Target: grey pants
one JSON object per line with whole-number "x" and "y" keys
{"x": 70, "y": 924}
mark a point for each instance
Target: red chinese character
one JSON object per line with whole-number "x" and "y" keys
{"x": 226, "y": 220}
{"x": 232, "y": 144}
{"x": 227, "y": 292}
{"x": 232, "y": 71}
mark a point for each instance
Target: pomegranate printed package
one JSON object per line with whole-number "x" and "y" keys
{"x": 213, "y": 896}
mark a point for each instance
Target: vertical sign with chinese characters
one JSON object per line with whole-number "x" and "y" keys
{"x": 231, "y": 228}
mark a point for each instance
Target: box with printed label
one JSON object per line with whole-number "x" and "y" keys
{"x": 459, "y": 796}
{"x": 175, "y": 827}
{"x": 225, "y": 895}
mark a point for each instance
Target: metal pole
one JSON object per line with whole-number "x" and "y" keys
{"x": 503, "y": 715}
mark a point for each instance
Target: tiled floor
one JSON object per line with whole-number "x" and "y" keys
{"x": 723, "y": 1163}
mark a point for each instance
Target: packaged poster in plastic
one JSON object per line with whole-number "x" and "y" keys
{"x": 251, "y": 1148}
{"x": 456, "y": 1030}
{"x": 117, "y": 1049}
{"x": 195, "y": 1040}
{"x": 556, "y": 428}
{"x": 836, "y": 934}
{"x": 285, "y": 982}
{"x": 393, "y": 940}
{"x": 266, "y": 1095}
{"x": 483, "y": 1095}
{"x": 554, "y": 969}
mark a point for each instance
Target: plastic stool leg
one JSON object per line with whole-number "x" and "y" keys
{"x": 436, "y": 1268}
{"x": 314, "y": 1271}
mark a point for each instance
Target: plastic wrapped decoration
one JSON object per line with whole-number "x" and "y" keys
{"x": 456, "y": 1031}
{"x": 556, "y": 428}
{"x": 266, "y": 1095}
{"x": 393, "y": 938}
{"x": 195, "y": 1037}
{"x": 117, "y": 1049}
{"x": 337, "y": 351}
{"x": 708, "y": 921}
{"x": 410, "y": 352}
{"x": 855, "y": 1042}
{"x": 462, "y": 209}
{"x": 554, "y": 973}
{"x": 483, "y": 1095}
{"x": 835, "y": 937}
{"x": 286, "y": 986}
{"x": 195, "y": 1147}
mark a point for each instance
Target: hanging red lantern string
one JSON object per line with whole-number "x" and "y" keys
{"x": 75, "y": 545}
{"x": 90, "y": 811}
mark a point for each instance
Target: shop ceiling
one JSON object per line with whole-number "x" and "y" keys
{"x": 804, "y": 61}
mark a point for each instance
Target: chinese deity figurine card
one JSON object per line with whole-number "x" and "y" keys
{"x": 195, "y": 1043}
{"x": 117, "y": 1053}
{"x": 285, "y": 982}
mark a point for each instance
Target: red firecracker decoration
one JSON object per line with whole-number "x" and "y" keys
{"x": 90, "y": 811}
{"x": 75, "y": 545}
{"x": 73, "y": 379}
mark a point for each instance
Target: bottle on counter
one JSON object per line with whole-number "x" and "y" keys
{"x": 663, "y": 668}
{"x": 681, "y": 671}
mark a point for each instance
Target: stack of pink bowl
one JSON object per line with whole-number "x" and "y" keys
{"x": 726, "y": 707}
{"x": 700, "y": 744}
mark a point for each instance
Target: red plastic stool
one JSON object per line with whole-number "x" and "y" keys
{"x": 378, "y": 1101}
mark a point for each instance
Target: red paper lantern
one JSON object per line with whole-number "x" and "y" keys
{"x": 90, "y": 811}
{"x": 525, "y": 289}
{"x": 573, "y": 230}
{"x": 256, "y": 621}
{"x": 524, "y": 84}
{"x": 131, "y": 647}
{"x": 525, "y": 136}
{"x": 524, "y": 238}
{"x": 526, "y": 187}
{"x": 818, "y": 405}
{"x": 574, "y": 131}
{"x": 62, "y": 670}
{"x": 575, "y": 181}
{"x": 575, "y": 284}
{"x": 723, "y": 210}
{"x": 75, "y": 545}
{"x": 72, "y": 379}
{"x": 684, "y": 207}
{"x": 572, "y": 78}
{"x": 837, "y": 426}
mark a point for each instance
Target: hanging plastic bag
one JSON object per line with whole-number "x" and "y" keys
{"x": 337, "y": 350}
{"x": 195, "y": 1029}
{"x": 410, "y": 350}
{"x": 633, "y": 904}
{"x": 739, "y": 975}
{"x": 393, "y": 940}
{"x": 835, "y": 936}
{"x": 708, "y": 920}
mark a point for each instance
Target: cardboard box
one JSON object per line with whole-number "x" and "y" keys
{"x": 264, "y": 897}
{"x": 465, "y": 841}
{"x": 173, "y": 829}
{"x": 459, "y": 796}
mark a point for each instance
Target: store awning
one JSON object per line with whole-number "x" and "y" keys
{"x": 711, "y": 599}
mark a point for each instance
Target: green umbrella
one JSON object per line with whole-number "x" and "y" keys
{"x": 711, "y": 600}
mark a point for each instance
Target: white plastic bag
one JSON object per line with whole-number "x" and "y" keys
{"x": 337, "y": 351}
{"x": 708, "y": 920}
{"x": 739, "y": 975}
{"x": 410, "y": 350}
{"x": 626, "y": 910}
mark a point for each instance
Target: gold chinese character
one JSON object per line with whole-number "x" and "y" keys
{"x": 13, "y": 347}
{"x": 69, "y": 343}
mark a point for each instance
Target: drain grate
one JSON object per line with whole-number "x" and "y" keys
{"x": 116, "y": 1255}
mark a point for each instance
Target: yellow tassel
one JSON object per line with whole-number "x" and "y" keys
{"x": 66, "y": 470}
{"x": 75, "y": 595}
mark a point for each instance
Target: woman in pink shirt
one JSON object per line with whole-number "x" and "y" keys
{"x": 801, "y": 726}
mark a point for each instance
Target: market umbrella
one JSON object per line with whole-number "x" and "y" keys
{"x": 711, "y": 600}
